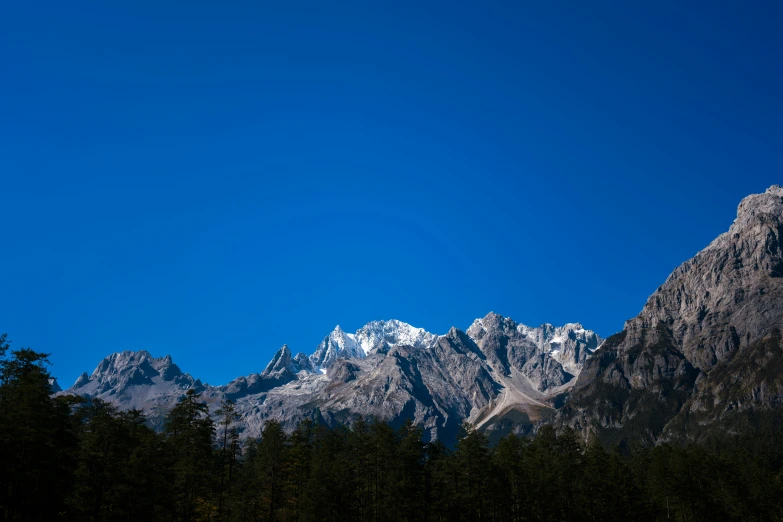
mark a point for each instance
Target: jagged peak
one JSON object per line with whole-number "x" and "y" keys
{"x": 118, "y": 360}
{"x": 133, "y": 367}
{"x": 454, "y": 332}
{"x": 338, "y": 344}
{"x": 343, "y": 345}
{"x": 752, "y": 211}
{"x": 573, "y": 327}
{"x": 770, "y": 202}
{"x": 718, "y": 281}
{"x": 495, "y": 320}
{"x": 393, "y": 332}
{"x": 491, "y": 321}
{"x": 83, "y": 379}
{"x": 282, "y": 360}
{"x": 341, "y": 337}
{"x": 492, "y": 316}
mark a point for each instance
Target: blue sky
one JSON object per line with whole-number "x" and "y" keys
{"x": 215, "y": 179}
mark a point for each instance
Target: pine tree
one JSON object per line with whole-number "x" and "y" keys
{"x": 331, "y": 490}
{"x": 383, "y": 463}
{"x": 509, "y": 483}
{"x": 299, "y": 465}
{"x": 190, "y": 431}
{"x": 118, "y": 465}
{"x": 147, "y": 469}
{"x": 472, "y": 474}
{"x": 102, "y": 449}
{"x": 271, "y": 467}
{"x": 37, "y": 446}
{"x": 410, "y": 484}
{"x": 227, "y": 455}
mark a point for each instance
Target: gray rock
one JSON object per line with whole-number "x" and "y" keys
{"x": 714, "y": 310}
{"x": 54, "y": 386}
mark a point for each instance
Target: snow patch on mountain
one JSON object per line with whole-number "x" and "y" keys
{"x": 569, "y": 344}
{"x": 337, "y": 345}
{"x": 394, "y": 333}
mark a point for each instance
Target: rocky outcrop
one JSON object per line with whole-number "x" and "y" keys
{"x": 54, "y": 386}
{"x": 550, "y": 356}
{"x": 713, "y": 316}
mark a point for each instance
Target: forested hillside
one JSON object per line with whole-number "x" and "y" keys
{"x": 63, "y": 458}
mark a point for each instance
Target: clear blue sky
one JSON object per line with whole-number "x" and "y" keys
{"x": 215, "y": 179}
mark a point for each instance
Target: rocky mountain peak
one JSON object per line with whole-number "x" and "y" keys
{"x": 121, "y": 370}
{"x": 573, "y": 326}
{"x": 769, "y": 202}
{"x": 118, "y": 362}
{"x": 83, "y": 379}
{"x": 490, "y": 322}
{"x": 54, "y": 386}
{"x": 712, "y": 313}
{"x": 281, "y": 361}
{"x": 302, "y": 362}
{"x": 729, "y": 294}
{"x": 758, "y": 217}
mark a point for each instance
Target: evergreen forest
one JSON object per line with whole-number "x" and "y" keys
{"x": 66, "y": 458}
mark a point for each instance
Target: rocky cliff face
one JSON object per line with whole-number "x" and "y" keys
{"x": 703, "y": 345}
{"x": 529, "y": 350}
{"x": 387, "y": 369}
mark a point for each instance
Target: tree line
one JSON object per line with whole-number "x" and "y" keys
{"x": 67, "y": 458}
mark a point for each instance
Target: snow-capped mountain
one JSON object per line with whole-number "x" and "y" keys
{"x": 372, "y": 337}
{"x": 381, "y": 335}
{"x": 337, "y": 345}
{"x": 388, "y": 369}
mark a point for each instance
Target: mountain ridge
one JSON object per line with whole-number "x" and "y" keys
{"x": 420, "y": 373}
{"x": 706, "y": 350}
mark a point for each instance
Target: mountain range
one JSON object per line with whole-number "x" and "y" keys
{"x": 704, "y": 352}
{"x": 387, "y": 369}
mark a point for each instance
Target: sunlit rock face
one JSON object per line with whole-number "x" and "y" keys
{"x": 703, "y": 347}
